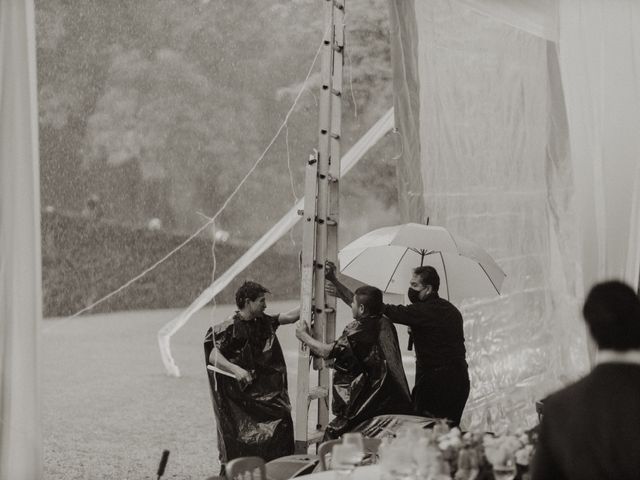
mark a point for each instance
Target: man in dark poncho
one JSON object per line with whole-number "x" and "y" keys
{"x": 250, "y": 399}
{"x": 442, "y": 377}
{"x": 368, "y": 377}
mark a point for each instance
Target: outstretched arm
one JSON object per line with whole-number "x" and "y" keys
{"x": 318, "y": 348}
{"x": 342, "y": 290}
{"x": 403, "y": 314}
{"x": 289, "y": 317}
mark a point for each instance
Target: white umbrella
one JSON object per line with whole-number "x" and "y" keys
{"x": 386, "y": 257}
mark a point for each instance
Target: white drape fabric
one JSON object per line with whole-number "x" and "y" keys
{"x": 529, "y": 144}
{"x": 599, "y": 50}
{"x": 537, "y": 17}
{"x": 494, "y": 165}
{"x": 348, "y": 161}
{"x": 20, "y": 284}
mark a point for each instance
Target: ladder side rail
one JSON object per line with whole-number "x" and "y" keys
{"x": 335, "y": 153}
{"x": 331, "y": 253}
{"x": 306, "y": 303}
{"x": 317, "y": 247}
{"x": 324, "y": 130}
{"x": 320, "y": 235}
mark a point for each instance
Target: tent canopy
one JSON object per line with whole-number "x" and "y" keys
{"x": 537, "y": 17}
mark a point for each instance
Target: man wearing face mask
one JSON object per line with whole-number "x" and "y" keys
{"x": 442, "y": 378}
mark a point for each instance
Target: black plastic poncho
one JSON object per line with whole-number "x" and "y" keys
{"x": 368, "y": 376}
{"x": 254, "y": 420}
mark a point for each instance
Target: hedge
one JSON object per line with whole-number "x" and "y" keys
{"x": 83, "y": 260}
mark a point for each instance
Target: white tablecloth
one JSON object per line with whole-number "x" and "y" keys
{"x": 370, "y": 472}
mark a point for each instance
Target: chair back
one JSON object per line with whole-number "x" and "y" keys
{"x": 246, "y": 468}
{"x": 371, "y": 446}
{"x": 539, "y": 409}
{"x": 291, "y": 466}
{"x": 324, "y": 449}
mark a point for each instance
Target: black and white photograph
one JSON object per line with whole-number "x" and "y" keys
{"x": 320, "y": 239}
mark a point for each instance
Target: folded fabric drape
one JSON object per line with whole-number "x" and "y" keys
{"x": 20, "y": 287}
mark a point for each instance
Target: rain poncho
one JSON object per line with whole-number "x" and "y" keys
{"x": 369, "y": 379}
{"x": 254, "y": 420}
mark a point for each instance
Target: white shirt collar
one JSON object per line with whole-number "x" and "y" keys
{"x": 614, "y": 356}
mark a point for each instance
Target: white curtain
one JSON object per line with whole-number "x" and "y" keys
{"x": 20, "y": 284}
{"x": 537, "y": 17}
{"x": 529, "y": 143}
{"x": 599, "y": 50}
{"x": 495, "y": 167}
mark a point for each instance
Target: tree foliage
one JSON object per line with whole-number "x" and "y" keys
{"x": 162, "y": 106}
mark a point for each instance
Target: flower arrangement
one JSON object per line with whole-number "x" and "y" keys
{"x": 510, "y": 452}
{"x": 479, "y": 455}
{"x": 444, "y": 453}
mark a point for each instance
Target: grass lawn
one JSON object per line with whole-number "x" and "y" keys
{"x": 109, "y": 409}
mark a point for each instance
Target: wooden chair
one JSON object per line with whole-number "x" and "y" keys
{"x": 324, "y": 449}
{"x": 246, "y": 468}
{"x": 291, "y": 466}
{"x": 539, "y": 409}
{"x": 371, "y": 446}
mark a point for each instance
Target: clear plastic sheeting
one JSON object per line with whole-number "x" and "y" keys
{"x": 493, "y": 165}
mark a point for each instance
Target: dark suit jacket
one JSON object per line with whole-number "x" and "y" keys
{"x": 591, "y": 429}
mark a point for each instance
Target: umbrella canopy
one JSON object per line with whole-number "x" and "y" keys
{"x": 386, "y": 257}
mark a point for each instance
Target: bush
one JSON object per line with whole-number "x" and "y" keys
{"x": 83, "y": 260}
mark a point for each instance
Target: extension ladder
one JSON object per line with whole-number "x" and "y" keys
{"x": 320, "y": 233}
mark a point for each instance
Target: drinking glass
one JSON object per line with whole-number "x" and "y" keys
{"x": 504, "y": 472}
{"x": 357, "y": 442}
{"x": 344, "y": 458}
{"x": 399, "y": 462}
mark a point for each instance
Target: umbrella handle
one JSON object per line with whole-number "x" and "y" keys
{"x": 410, "y": 342}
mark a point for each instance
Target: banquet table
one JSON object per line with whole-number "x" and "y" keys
{"x": 368, "y": 472}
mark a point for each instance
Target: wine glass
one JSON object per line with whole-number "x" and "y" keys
{"x": 357, "y": 442}
{"x": 400, "y": 461}
{"x": 344, "y": 458}
{"x": 504, "y": 472}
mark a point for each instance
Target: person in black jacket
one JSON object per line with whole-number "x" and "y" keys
{"x": 442, "y": 378}
{"x": 591, "y": 429}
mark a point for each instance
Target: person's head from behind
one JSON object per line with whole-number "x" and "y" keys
{"x": 425, "y": 280}
{"x": 612, "y": 312}
{"x": 250, "y": 299}
{"x": 367, "y": 301}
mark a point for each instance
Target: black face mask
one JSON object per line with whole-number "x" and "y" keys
{"x": 414, "y": 295}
